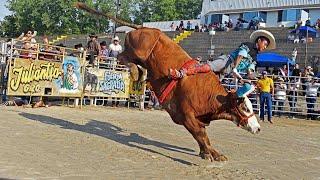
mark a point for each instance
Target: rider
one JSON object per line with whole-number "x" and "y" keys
{"x": 239, "y": 61}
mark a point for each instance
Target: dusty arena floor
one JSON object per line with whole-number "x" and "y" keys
{"x": 107, "y": 143}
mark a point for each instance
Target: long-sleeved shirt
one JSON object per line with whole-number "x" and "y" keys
{"x": 312, "y": 89}
{"x": 280, "y": 93}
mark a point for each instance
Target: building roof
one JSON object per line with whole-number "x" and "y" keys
{"x": 236, "y": 6}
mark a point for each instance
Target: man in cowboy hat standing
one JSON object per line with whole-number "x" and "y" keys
{"x": 238, "y": 61}
{"x": 266, "y": 88}
{"x": 115, "y": 48}
{"x": 93, "y": 48}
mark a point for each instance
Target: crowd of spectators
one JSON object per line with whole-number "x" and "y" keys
{"x": 297, "y": 84}
{"x": 217, "y": 26}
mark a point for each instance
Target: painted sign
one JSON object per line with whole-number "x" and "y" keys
{"x": 106, "y": 83}
{"x": 45, "y": 78}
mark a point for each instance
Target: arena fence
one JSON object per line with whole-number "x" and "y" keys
{"x": 295, "y": 103}
{"x": 41, "y": 70}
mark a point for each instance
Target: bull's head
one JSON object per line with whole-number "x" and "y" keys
{"x": 243, "y": 110}
{"x": 139, "y": 45}
{"x": 245, "y": 117}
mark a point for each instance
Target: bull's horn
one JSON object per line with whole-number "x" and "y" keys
{"x": 83, "y": 6}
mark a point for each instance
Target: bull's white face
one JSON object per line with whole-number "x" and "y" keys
{"x": 252, "y": 124}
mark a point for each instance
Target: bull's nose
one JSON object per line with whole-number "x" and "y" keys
{"x": 259, "y": 130}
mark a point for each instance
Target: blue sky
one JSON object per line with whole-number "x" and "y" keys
{"x": 3, "y": 10}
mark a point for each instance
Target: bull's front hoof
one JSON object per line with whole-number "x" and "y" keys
{"x": 206, "y": 156}
{"x": 221, "y": 158}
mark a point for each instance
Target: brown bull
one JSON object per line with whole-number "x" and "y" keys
{"x": 196, "y": 100}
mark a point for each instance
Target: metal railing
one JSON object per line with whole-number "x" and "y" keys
{"x": 295, "y": 99}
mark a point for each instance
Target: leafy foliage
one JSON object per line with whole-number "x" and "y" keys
{"x": 60, "y": 17}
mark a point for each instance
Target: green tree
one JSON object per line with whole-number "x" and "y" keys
{"x": 60, "y": 17}
{"x": 166, "y": 10}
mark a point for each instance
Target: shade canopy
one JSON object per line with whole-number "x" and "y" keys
{"x": 304, "y": 29}
{"x": 273, "y": 60}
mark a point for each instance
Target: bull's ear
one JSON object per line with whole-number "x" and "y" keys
{"x": 142, "y": 42}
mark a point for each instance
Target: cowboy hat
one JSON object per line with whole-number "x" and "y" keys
{"x": 93, "y": 35}
{"x": 258, "y": 33}
{"x": 280, "y": 79}
{"x": 116, "y": 38}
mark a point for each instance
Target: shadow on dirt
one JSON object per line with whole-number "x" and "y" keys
{"x": 113, "y": 133}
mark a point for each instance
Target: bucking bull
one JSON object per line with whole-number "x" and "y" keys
{"x": 193, "y": 101}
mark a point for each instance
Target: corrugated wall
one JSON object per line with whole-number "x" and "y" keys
{"x": 234, "y": 5}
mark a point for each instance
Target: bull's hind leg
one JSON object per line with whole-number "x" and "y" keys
{"x": 198, "y": 131}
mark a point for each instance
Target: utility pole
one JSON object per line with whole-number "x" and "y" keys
{"x": 117, "y": 12}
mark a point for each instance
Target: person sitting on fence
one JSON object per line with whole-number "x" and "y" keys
{"x": 311, "y": 97}
{"x": 26, "y": 51}
{"x": 28, "y": 36}
{"x": 93, "y": 48}
{"x": 60, "y": 51}
{"x": 280, "y": 95}
{"x": 115, "y": 48}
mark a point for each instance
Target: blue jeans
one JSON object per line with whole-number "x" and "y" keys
{"x": 265, "y": 98}
{"x": 310, "y": 105}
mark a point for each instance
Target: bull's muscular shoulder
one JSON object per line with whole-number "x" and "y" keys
{"x": 199, "y": 93}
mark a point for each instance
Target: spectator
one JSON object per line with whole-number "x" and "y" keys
{"x": 154, "y": 101}
{"x": 308, "y": 22}
{"x": 196, "y": 28}
{"x": 230, "y": 24}
{"x": 284, "y": 71}
{"x": 115, "y": 48}
{"x": 238, "y": 26}
{"x": 294, "y": 54}
{"x": 104, "y": 50}
{"x": 28, "y": 36}
{"x": 26, "y": 51}
{"x": 293, "y": 88}
{"x": 296, "y": 39}
{"x": 291, "y": 37}
{"x": 317, "y": 25}
{"x": 303, "y": 40}
{"x": 311, "y": 97}
{"x": 280, "y": 95}
{"x": 78, "y": 49}
{"x": 189, "y": 25}
{"x": 298, "y": 25}
{"x": 93, "y": 48}
{"x": 181, "y": 26}
{"x": 308, "y": 74}
{"x": 172, "y": 26}
{"x": 296, "y": 71}
{"x": 265, "y": 86}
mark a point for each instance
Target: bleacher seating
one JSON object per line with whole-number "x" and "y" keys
{"x": 198, "y": 44}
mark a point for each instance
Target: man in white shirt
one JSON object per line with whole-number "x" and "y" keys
{"x": 312, "y": 89}
{"x": 280, "y": 95}
{"x": 115, "y": 48}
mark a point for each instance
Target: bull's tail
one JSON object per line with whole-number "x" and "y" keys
{"x": 83, "y": 6}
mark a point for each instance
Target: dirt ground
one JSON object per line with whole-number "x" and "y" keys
{"x": 107, "y": 143}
